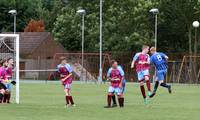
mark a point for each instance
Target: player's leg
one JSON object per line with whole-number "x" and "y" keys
{"x": 109, "y": 96}
{"x": 114, "y": 100}
{"x": 5, "y": 98}
{"x": 160, "y": 80}
{"x": 148, "y": 83}
{"x": 155, "y": 88}
{"x": 9, "y": 92}
{"x": 141, "y": 83}
{"x": 120, "y": 97}
{"x": 2, "y": 91}
{"x": 68, "y": 97}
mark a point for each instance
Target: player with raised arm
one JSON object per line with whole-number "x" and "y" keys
{"x": 141, "y": 61}
{"x": 115, "y": 75}
{"x": 159, "y": 60}
{"x": 65, "y": 71}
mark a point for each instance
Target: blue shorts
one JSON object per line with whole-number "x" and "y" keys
{"x": 8, "y": 86}
{"x": 160, "y": 75}
{"x": 142, "y": 74}
{"x": 116, "y": 90}
{"x": 123, "y": 86}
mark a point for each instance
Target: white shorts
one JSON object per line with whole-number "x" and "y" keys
{"x": 117, "y": 90}
{"x": 67, "y": 86}
{"x": 142, "y": 74}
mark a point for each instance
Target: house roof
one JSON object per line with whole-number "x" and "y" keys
{"x": 29, "y": 41}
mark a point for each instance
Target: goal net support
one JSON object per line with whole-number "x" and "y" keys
{"x": 189, "y": 71}
{"x": 9, "y": 48}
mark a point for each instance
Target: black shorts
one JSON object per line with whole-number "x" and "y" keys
{"x": 2, "y": 86}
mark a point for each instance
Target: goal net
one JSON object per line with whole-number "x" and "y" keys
{"x": 9, "y": 48}
{"x": 189, "y": 71}
{"x": 88, "y": 71}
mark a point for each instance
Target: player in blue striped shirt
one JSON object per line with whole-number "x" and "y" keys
{"x": 159, "y": 60}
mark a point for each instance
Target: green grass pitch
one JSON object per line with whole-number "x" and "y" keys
{"x": 40, "y": 101}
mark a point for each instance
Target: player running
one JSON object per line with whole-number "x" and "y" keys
{"x": 141, "y": 61}
{"x": 115, "y": 75}
{"x": 159, "y": 60}
{"x": 65, "y": 71}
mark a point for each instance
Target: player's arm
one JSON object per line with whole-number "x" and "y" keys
{"x": 122, "y": 74}
{"x": 70, "y": 70}
{"x": 133, "y": 61}
{"x": 165, "y": 56}
{"x": 108, "y": 75}
{"x": 132, "y": 64}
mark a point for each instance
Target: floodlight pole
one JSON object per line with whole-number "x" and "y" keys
{"x": 155, "y": 12}
{"x": 100, "y": 42}
{"x": 82, "y": 13}
{"x": 156, "y": 31}
{"x": 83, "y": 27}
{"x": 14, "y": 13}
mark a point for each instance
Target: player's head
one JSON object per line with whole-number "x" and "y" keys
{"x": 152, "y": 50}
{"x": 145, "y": 49}
{"x": 114, "y": 64}
{"x": 4, "y": 63}
{"x": 63, "y": 60}
{"x": 10, "y": 61}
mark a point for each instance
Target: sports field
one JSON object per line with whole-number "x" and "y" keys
{"x": 40, "y": 101}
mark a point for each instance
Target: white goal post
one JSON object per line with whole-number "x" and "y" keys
{"x": 9, "y": 46}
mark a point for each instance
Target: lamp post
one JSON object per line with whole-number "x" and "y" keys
{"x": 82, "y": 12}
{"x": 195, "y": 24}
{"x": 155, "y": 12}
{"x": 100, "y": 41}
{"x": 14, "y": 13}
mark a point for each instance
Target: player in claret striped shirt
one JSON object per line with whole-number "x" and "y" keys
{"x": 115, "y": 75}
{"x": 65, "y": 71}
{"x": 141, "y": 62}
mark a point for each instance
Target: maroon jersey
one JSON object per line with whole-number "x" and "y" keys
{"x": 139, "y": 57}
{"x": 115, "y": 74}
{"x": 65, "y": 71}
{"x": 3, "y": 75}
{"x": 9, "y": 72}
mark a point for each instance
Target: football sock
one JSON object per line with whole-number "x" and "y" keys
{"x": 1, "y": 97}
{"x": 156, "y": 86}
{"x": 67, "y": 99}
{"x": 114, "y": 99}
{"x": 109, "y": 97}
{"x": 71, "y": 100}
{"x": 148, "y": 85}
{"x": 121, "y": 102}
{"x": 164, "y": 85}
{"x": 5, "y": 98}
{"x": 8, "y": 99}
{"x": 143, "y": 91}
